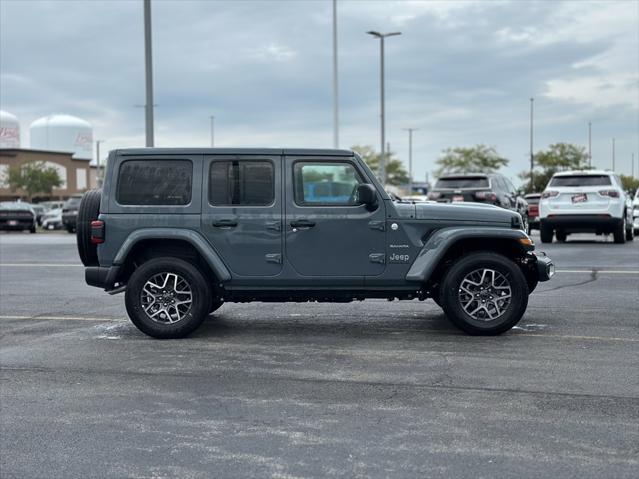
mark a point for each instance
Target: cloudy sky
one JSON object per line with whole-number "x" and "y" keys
{"x": 462, "y": 72}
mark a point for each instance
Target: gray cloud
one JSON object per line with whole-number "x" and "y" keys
{"x": 462, "y": 72}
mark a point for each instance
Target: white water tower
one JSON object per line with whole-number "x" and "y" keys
{"x": 61, "y": 132}
{"x": 9, "y": 130}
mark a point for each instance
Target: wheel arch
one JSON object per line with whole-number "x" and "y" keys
{"x": 145, "y": 244}
{"x": 444, "y": 246}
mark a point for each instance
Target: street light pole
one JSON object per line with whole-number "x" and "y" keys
{"x": 590, "y": 144}
{"x": 212, "y": 131}
{"x": 410, "y": 158}
{"x": 335, "y": 84}
{"x": 382, "y": 159}
{"x": 532, "y": 156}
{"x": 148, "y": 64}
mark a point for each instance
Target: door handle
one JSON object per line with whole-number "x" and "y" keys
{"x": 302, "y": 223}
{"x": 225, "y": 224}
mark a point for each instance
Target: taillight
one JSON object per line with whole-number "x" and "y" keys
{"x": 97, "y": 232}
{"x": 549, "y": 194}
{"x": 433, "y": 195}
{"x": 485, "y": 195}
{"x": 609, "y": 193}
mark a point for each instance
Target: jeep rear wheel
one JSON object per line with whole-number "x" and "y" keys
{"x": 484, "y": 294}
{"x": 167, "y": 298}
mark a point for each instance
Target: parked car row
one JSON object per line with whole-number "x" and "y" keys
{"x": 50, "y": 215}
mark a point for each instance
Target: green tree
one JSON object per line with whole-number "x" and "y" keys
{"x": 396, "y": 174}
{"x": 33, "y": 178}
{"x": 475, "y": 159}
{"x": 630, "y": 183}
{"x": 558, "y": 157}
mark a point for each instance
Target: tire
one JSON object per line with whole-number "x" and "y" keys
{"x": 32, "y": 230}
{"x": 186, "y": 320}
{"x": 561, "y": 236}
{"x": 88, "y": 212}
{"x": 630, "y": 233}
{"x": 619, "y": 233}
{"x": 545, "y": 233}
{"x": 478, "y": 321}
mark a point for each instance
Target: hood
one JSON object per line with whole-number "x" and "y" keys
{"x": 474, "y": 213}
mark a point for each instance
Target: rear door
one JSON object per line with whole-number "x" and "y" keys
{"x": 326, "y": 232}
{"x": 242, "y": 212}
{"x": 579, "y": 194}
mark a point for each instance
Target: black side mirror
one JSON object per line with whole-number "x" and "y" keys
{"x": 366, "y": 194}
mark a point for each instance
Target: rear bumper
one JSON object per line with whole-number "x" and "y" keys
{"x": 101, "y": 276}
{"x": 581, "y": 223}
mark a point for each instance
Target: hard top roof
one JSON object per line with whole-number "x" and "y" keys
{"x": 234, "y": 151}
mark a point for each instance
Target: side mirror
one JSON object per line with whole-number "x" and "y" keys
{"x": 366, "y": 194}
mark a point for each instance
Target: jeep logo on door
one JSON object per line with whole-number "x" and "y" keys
{"x": 399, "y": 258}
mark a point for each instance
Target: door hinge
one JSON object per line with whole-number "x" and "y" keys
{"x": 273, "y": 258}
{"x": 377, "y": 258}
{"x": 377, "y": 225}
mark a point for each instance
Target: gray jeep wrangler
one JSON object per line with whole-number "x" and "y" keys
{"x": 182, "y": 231}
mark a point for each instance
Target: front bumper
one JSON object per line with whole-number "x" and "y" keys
{"x": 545, "y": 266}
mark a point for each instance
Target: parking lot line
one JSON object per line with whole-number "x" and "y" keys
{"x": 598, "y": 271}
{"x": 39, "y": 265}
{"x": 63, "y": 318}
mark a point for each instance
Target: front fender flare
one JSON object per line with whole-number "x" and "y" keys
{"x": 196, "y": 240}
{"x": 440, "y": 241}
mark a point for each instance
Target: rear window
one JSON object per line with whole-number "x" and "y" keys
{"x": 155, "y": 182}
{"x": 532, "y": 200}
{"x": 465, "y": 182}
{"x": 580, "y": 180}
{"x": 241, "y": 182}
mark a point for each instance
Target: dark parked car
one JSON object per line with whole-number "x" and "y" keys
{"x": 17, "y": 216}
{"x": 182, "y": 231}
{"x": 492, "y": 189}
{"x": 533, "y": 210}
{"x": 70, "y": 213}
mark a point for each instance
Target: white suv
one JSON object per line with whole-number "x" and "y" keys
{"x": 588, "y": 201}
{"x": 635, "y": 213}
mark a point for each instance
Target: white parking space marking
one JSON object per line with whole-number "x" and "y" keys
{"x": 598, "y": 271}
{"x": 62, "y": 318}
{"x": 40, "y": 265}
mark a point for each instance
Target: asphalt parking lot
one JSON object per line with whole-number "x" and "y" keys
{"x": 372, "y": 389}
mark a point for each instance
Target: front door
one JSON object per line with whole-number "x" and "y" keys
{"x": 327, "y": 233}
{"x": 242, "y": 212}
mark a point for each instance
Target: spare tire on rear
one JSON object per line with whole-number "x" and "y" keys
{"x": 88, "y": 212}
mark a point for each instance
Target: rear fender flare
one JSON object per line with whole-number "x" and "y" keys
{"x": 196, "y": 240}
{"x": 441, "y": 241}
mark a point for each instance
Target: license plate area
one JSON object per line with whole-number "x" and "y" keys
{"x": 13, "y": 223}
{"x": 580, "y": 198}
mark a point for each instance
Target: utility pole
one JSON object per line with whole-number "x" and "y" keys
{"x": 382, "y": 159}
{"x": 148, "y": 68}
{"x": 410, "y": 158}
{"x": 590, "y": 144}
{"x": 613, "y": 155}
{"x": 212, "y": 131}
{"x": 335, "y": 83}
{"x": 98, "y": 174}
{"x": 532, "y": 156}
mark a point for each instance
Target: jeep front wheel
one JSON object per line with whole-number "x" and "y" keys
{"x": 167, "y": 298}
{"x": 484, "y": 294}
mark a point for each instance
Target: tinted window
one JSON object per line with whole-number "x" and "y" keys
{"x": 241, "y": 182}
{"x": 325, "y": 184}
{"x": 532, "y": 200}
{"x": 462, "y": 182}
{"x": 155, "y": 182}
{"x": 580, "y": 180}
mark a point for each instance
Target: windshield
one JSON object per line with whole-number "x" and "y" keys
{"x": 462, "y": 182}
{"x": 580, "y": 180}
